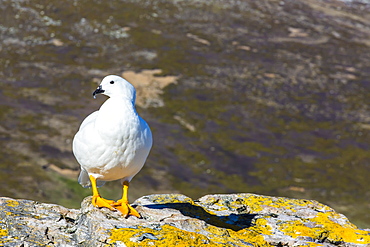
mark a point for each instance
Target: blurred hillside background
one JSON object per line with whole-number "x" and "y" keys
{"x": 268, "y": 97}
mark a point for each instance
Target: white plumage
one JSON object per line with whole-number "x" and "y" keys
{"x": 113, "y": 142}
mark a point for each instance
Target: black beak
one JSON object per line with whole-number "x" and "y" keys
{"x": 98, "y": 91}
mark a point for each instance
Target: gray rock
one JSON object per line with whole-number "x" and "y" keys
{"x": 173, "y": 219}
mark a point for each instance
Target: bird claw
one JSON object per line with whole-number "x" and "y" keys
{"x": 122, "y": 206}
{"x": 126, "y": 209}
{"x": 100, "y": 202}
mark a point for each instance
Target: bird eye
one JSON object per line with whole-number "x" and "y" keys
{"x": 111, "y": 82}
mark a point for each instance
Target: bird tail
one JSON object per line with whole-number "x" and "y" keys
{"x": 84, "y": 180}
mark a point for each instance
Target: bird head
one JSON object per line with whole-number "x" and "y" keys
{"x": 115, "y": 86}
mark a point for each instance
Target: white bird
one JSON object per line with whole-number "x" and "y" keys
{"x": 112, "y": 143}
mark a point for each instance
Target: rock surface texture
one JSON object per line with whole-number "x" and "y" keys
{"x": 177, "y": 220}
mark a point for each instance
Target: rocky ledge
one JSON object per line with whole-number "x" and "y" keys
{"x": 177, "y": 220}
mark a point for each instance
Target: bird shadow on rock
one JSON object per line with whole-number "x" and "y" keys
{"x": 232, "y": 221}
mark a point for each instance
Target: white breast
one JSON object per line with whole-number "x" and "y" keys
{"x": 114, "y": 142}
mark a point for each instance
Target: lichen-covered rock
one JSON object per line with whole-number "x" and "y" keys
{"x": 177, "y": 220}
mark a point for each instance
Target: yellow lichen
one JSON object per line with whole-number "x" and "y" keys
{"x": 295, "y": 229}
{"x": 12, "y": 203}
{"x": 257, "y": 203}
{"x": 172, "y": 198}
{"x": 254, "y": 234}
{"x": 212, "y": 230}
{"x": 325, "y": 228}
{"x": 212, "y": 236}
{"x": 261, "y": 226}
{"x": 167, "y": 236}
{"x": 3, "y": 232}
{"x": 340, "y": 232}
{"x": 312, "y": 244}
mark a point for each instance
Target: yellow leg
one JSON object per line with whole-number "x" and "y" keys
{"x": 123, "y": 206}
{"x": 97, "y": 200}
